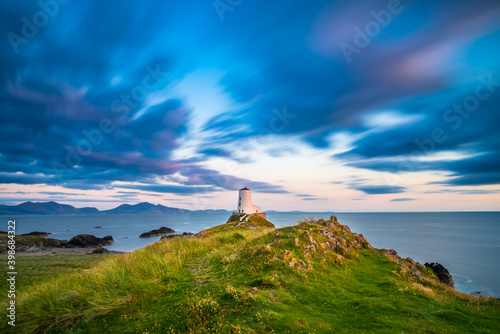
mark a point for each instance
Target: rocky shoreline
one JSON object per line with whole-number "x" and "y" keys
{"x": 154, "y": 233}
{"x": 63, "y": 251}
{"x": 35, "y": 243}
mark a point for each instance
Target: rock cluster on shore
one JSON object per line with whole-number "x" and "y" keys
{"x": 183, "y": 235}
{"x": 442, "y": 273}
{"x": 89, "y": 240}
{"x": 154, "y": 233}
{"x": 100, "y": 250}
{"x": 36, "y": 242}
{"x": 38, "y": 234}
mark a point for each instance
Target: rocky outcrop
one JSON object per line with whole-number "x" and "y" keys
{"x": 49, "y": 243}
{"x": 183, "y": 235}
{"x": 410, "y": 268}
{"x": 442, "y": 273}
{"x": 202, "y": 234}
{"x": 38, "y": 234}
{"x": 153, "y": 233}
{"x": 88, "y": 240}
{"x": 305, "y": 245}
{"x": 37, "y": 243}
{"x": 234, "y": 218}
{"x": 108, "y": 239}
{"x": 254, "y": 221}
{"x": 32, "y": 244}
{"x": 100, "y": 250}
{"x": 331, "y": 242}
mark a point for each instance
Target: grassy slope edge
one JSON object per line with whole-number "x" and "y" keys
{"x": 315, "y": 277}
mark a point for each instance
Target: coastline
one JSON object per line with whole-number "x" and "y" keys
{"x": 472, "y": 260}
{"x": 321, "y": 258}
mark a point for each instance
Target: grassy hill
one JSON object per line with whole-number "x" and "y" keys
{"x": 315, "y": 277}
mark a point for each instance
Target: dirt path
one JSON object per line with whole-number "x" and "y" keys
{"x": 201, "y": 272}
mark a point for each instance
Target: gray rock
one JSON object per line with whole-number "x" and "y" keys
{"x": 153, "y": 233}
{"x": 88, "y": 240}
{"x": 183, "y": 235}
{"x": 442, "y": 273}
{"x": 100, "y": 250}
{"x": 34, "y": 250}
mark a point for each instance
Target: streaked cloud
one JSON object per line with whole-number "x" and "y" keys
{"x": 165, "y": 98}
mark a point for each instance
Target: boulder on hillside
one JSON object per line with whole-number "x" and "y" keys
{"x": 183, "y": 235}
{"x": 88, "y": 240}
{"x": 442, "y": 273}
{"x": 108, "y": 240}
{"x": 202, "y": 233}
{"x": 100, "y": 250}
{"x": 153, "y": 233}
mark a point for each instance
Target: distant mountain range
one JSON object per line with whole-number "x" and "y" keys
{"x": 53, "y": 208}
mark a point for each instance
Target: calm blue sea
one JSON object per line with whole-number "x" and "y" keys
{"x": 467, "y": 243}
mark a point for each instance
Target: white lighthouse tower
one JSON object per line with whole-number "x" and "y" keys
{"x": 245, "y": 202}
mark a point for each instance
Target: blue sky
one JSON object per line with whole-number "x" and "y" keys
{"x": 330, "y": 105}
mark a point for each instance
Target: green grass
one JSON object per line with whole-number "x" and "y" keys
{"x": 234, "y": 223}
{"x": 267, "y": 280}
{"x": 259, "y": 221}
{"x": 37, "y": 269}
